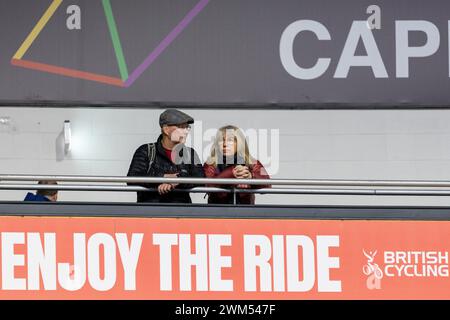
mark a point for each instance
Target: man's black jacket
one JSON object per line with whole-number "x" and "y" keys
{"x": 189, "y": 167}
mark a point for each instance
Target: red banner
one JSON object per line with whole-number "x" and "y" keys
{"x": 227, "y": 259}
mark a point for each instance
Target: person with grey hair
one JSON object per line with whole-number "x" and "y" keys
{"x": 167, "y": 157}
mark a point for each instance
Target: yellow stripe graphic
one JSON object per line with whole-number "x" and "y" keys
{"x": 37, "y": 29}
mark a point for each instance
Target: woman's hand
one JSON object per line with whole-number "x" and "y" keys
{"x": 247, "y": 174}
{"x": 242, "y": 172}
{"x": 237, "y": 171}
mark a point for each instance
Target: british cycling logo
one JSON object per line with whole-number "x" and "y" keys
{"x": 372, "y": 271}
{"x": 408, "y": 265}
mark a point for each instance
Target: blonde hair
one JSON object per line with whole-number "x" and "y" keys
{"x": 242, "y": 149}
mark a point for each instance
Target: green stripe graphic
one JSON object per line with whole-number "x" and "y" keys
{"x": 115, "y": 39}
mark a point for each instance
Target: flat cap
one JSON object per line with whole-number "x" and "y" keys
{"x": 174, "y": 116}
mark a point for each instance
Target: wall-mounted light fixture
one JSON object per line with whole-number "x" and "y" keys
{"x": 67, "y": 135}
{"x": 7, "y": 124}
{"x": 5, "y": 121}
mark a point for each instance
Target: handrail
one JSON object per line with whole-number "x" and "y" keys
{"x": 310, "y": 191}
{"x": 66, "y": 187}
{"x": 222, "y": 181}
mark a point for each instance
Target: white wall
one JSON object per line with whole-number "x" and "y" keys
{"x": 321, "y": 144}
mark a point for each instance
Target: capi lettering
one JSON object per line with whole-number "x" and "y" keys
{"x": 405, "y": 53}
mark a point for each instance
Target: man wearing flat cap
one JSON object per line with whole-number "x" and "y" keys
{"x": 168, "y": 157}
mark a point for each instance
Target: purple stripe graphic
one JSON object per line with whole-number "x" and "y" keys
{"x": 166, "y": 42}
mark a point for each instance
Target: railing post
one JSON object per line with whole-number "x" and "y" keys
{"x": 234, "y": 195}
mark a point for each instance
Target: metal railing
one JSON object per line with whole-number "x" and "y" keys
{"x": 297, "y": 186}
{"x": 221, "y": 181}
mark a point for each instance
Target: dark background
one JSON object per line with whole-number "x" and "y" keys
{"x": 227, "y": 56}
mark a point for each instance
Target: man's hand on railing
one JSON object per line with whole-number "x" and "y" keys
{"x": 172, "y": 175}
{"x": 165, "y": 188}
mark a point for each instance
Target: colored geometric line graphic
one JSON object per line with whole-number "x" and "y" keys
{"x": 125, "y": 80}
{"x": 67, "y": 72}
{"x": 18, "y": 61}
{"x": 115, "y": 39}
{"x": 166, "y": 41}
{"x": 37, "y": 29}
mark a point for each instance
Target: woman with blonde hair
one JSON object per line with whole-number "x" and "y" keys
{"x": 230, "y": 158}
